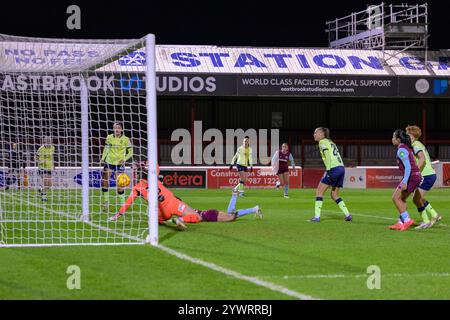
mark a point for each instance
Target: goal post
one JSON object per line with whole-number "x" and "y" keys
{"x": 84, "y": 102}
{"x": 69, "y": 126}
{"x": 152, "y": 150}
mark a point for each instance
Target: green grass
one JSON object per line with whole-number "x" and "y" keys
{"x": 326, "y": 260}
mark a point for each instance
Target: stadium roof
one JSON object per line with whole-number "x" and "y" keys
{"x": 19, "y": 55}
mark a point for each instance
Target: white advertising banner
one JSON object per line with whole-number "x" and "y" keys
{"x": 355, "y": 178}
{"x": 24, "y": 56}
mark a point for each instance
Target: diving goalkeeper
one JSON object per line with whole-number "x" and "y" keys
{"x": 169, "y": 205}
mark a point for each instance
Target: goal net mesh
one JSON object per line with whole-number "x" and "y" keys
{"x": 41, "y": 166}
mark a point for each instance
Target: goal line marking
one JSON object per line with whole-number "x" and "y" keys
{"x": 95, "y": 225}
{"x": 375, "y": 217}
{"x": 209, "y": 265}
{"x": 237, "y": 275}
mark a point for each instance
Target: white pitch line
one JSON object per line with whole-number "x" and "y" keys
{"x": 124, "y": 235}
{"x": 237, "y": 275}
{"x": 360, "y": 214}
{"x": 275, "y": 287}
{"x": 86, "y": 244}
{"x": 334, "y": 276}
{"x": 376, "y": 217}
{"x": 209, "y": 265}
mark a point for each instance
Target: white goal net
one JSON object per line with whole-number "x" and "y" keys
{"x": 69, "y": 126}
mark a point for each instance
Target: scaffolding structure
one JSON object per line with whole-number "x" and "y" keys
{"x": 396, "y": 27}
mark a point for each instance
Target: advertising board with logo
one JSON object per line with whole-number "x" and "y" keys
{"x": 62, "y": 177}
{"x": 189, "y": 84}
{"x": 225, "y": 71}
{"x": 223, "y": 177}
{"x": 383, "y": 177}
{"x": 173, "y": 178}
{"x": 355, "y": 178}
{"x": 429, "y": 87}
{"x": 311, "y": 85}
{"x": 28, "y": 56}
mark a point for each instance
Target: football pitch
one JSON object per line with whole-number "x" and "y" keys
{"x": 279, "y": 257}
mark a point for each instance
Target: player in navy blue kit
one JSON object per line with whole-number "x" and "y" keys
{"x": 333, "y": 176}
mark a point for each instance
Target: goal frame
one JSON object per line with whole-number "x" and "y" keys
{"x": 151, "y": 120}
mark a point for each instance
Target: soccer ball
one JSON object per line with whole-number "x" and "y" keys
{"x": 123, "y": 180}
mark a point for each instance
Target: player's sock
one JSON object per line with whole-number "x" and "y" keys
{"x": 286, "y": 190}
{"x": 342, "y": 206}
{"x": 232, "y": 203}
{"x": 318, "y": 207}
{"x": 430, "y": 209}
{"x": 243, "y": 212}
{"x": 404, "y": 216}
{"x": 423, "y": 214}
{"x": 121, "y": 195}
{"x": 105, "y": 196}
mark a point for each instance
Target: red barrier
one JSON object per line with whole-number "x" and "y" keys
{"x": 219, "y": 178}
{"x": 446, "y": 174}
{"x": 383, "y": 178}
{"x": 312, "y": 176}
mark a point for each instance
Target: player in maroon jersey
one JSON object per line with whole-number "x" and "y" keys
{"x": 280, "y": 166}
{"x": 411, "y": 178}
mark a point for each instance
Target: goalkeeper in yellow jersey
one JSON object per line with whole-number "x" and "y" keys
{"x": 117, "y": 151}
{"x": 44, "y": 158}
{"x": 333, "y": 176}
{"x": 243, "y": 160}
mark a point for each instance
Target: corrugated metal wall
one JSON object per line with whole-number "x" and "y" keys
{"x": 370, "y": 154}
{"x": 348, "y": 119}
{"x": 377, "y": 115}
{"x": 443, "y": 116}
{"x": 174, "y": 114}
{"x": 302, "y": 114}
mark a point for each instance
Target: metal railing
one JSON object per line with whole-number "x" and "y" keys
{"x": 368, "y": 28}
